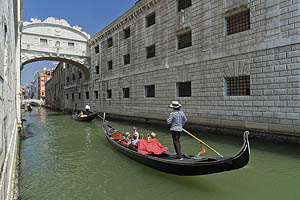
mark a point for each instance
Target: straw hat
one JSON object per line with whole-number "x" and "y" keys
{"x": 175, "y": 104}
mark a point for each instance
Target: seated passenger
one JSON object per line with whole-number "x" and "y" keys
{"x": 135, "y": 140}
{"x": 135, "y": 132}
{"x": 151, "y": 145}
{"x": 202, "y": 150}
{"x": 127, "y": 140}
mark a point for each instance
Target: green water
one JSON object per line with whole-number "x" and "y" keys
{"x": 63, "y": 159}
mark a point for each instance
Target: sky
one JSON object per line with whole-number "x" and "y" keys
{"x": 90, "y": 15}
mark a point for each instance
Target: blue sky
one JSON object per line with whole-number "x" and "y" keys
{"x": 91, "y": 15}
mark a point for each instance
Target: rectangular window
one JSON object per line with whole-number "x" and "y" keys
{"x": 237, "y": 86}
{"x": 185, "y": 40}
{"x": 87, "y": 95}
{"x": 68, "y": 79}
{"x": 97, "y": 69}
{"x": 79, "y": 95}
{"x": 150, "y": 91}
{"x": 79, "y": 75}
{"x": 96, "y": 94}
{"x": 109, "y": 65}
{"x": 127, "y": 33}
{"x": 238, "y": 23}
{"x": 150, "y": 51}
{"x": 67, "y": 96}
{"x": 72, "y": 96}
{"x": 183, "y": 4}
{"x": 109, "y": 42}
{"x": 126, "y": 59}
{"x": 71, "y": 45}
{"x": 125, "y": 93}
{"x": 183, "y": 89}
{"x": 43, "y": 42}
{"x": 108, "y": 94}
{"x": 96, "y": 49}
{"x": 73, "y": 77}
{"x": 150, "y": 20}
{"x": 68, "y": 66}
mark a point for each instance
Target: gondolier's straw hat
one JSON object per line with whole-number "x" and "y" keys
{"x": 175, "y": 104}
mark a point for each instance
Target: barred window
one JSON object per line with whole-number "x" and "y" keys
{"x": 109, "y": 65}
{"x": 87, "y": 95}
{"x": 238, "y": 86}
{"x": 73, "y": 77}
{"x": 109, "y": 42}
{"x": 238, "y": 23}
{"x": 71, "y": 45}
{"x": 127, "y": 33}
{"x": 150, "y": 91}
{"x": 79, "y": 95}
{"x": 97, "y": 69}
{"x": 183, "y": 89}
{"x": 150, "y": 51}
{"x": 126, "y": 93}
{"x": 96, "y": 94}
{"x": 150, "y": 20}
{"x": 183, "y": 4}
{"x": 185, "y": 40}
{"x": 126, "y": 59}
{"x": 72, "y": 96}
{"x": 96, "y": 49}
{"x": 109, "y": 94}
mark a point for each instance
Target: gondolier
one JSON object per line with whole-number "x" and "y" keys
{"x": 177, "y": 119}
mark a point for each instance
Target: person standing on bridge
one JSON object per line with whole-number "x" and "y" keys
{"x": 177, "y": 119}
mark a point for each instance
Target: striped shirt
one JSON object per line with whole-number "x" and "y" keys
{"x": 177, "y": 119}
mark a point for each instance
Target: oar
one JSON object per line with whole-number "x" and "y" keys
{"x": 202, "y": 142}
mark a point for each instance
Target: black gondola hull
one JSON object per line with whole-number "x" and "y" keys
{"x": 187, "y": 167}
{"x": 87, "y": 118}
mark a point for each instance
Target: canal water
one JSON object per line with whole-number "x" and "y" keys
{"x": 64, "y": 159}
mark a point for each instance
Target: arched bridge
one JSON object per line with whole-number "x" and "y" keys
{"x": 54, "y": 39}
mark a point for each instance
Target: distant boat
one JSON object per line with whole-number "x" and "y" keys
{"x": 84, "y": 117}
{"x": 34, "y": 103}
{"x": 190, "y": 165}
{"x": 29, "y": 107}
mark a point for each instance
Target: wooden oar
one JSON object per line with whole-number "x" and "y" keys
{"x": 202, "y": 142}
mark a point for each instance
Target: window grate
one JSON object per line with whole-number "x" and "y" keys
{"x": 150, "y": 20}
{"x": 126, "y": 59}
{"x": 183, "y": 4}
{"x": 110, "y": 65}
{"x": 109, "y": 94}
{"x": 96, "y": 49}
{"x": 96, "y": 94}
{"x": 127, "y": 33}
{"x": 238, "y": 86}
{"x": 184, "y": 89}
{"x": 97, "y": 69}
{"x": 150, "y": 51}
{"x": 150, "y": 91}
{"x": 109, "y": 42}
{"x": 238, "y": 23}
{"x": 87, "y": 95}
{"x": 126, "y": 93}
{"x": 185, "y": 40}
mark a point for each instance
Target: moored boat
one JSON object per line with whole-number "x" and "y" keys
{"x": 190, "y": 165}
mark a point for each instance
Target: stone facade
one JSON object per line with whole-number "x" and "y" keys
{"x": 10, "y": 93}
{"x": 268, "y": 53}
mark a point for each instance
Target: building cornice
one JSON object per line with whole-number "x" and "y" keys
{"x": 132, "y": 14}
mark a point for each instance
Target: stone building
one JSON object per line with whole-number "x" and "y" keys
{"x": 40, "y": 79}
{"x": 10, "y": 94}
{"x": 231, "y": 63}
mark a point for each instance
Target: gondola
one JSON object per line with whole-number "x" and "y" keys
{"x": 86, "y": 117}
{"x": 190, "y": 165}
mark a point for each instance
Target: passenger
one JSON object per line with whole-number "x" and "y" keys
{"x": 81, "y": 114}
{"x": 135, "y": 132}
{"x": 127, "y": 137}
{"x": 202, "y": 150}
{"x": 135, "y": 140}
{"x": 153, "y": 135}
